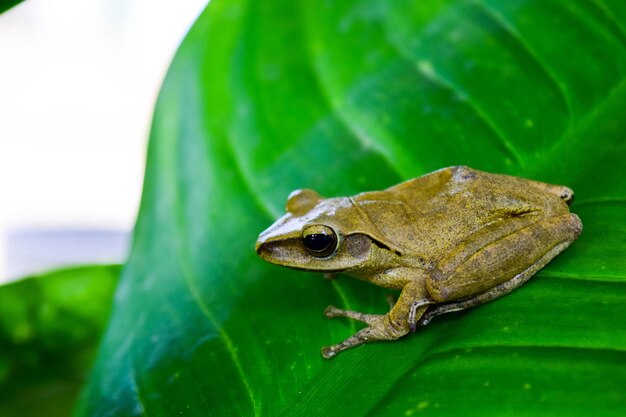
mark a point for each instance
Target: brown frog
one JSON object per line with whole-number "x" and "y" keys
{"x": 452, "y": 239}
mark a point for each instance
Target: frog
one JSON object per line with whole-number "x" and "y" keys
{"x": 449, "y": 240}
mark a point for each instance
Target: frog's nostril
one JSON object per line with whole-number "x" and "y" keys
{"x": 261, "y": 250}
{"x": 265, "y": 250}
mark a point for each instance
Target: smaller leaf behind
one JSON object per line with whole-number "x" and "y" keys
{"x": 49, "y": 328}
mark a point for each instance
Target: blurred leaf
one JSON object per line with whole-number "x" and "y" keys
{"x": 7, "y": 4}
{"x": 348, "y": 96}
{"x": 49, "y": 328}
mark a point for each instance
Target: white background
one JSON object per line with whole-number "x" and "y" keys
{"x": 78, "y": 82}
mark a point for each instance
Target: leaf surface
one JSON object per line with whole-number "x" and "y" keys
{"x": 342, "y": 97}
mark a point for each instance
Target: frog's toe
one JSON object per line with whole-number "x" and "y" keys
{"x": 424, "y": 320}
{"x": 332, "y": 312}
{"x": 328, "y": 352}
{"x": 379, "y": 329}
{"x": 417, "y": 311}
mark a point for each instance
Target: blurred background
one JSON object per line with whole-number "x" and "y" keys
{"x": 78, "y": 86}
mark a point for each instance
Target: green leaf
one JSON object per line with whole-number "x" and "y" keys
{"x": 266, "y": 97}
{"x": 7, "y": 4}
{"x": 49, "y": 329}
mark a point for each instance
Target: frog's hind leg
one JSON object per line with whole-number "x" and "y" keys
{"x": 375, "y": 330}
{"x": 505, "y": 287}
{"x": 494, "y": 293}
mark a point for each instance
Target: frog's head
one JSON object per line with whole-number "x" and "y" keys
{"x": 319, "y": 234}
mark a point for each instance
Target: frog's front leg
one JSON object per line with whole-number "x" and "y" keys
{"x": 390, "y": 326}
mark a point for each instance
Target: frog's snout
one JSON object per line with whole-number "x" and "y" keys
{"x": 273, "y": 248}
{"x": 261, "y": 247}
{"x": 263, "y": 251}
{"x": 274, "y": 252}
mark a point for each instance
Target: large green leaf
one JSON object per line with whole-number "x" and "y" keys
{"x": 49, "y": 329}
{"x": 344, "y": 96}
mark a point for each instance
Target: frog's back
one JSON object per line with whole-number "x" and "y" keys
{"x": 427, "y": 215}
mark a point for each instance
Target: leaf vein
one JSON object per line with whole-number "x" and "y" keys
{"x": 611, "y": 16}
{"x": 427, "y": 72}
{"x": 366, "y": 140}
{"x": 430, "y": 74}
{"x": 376, "y": 407}
{"x": 248, "y": 181}
{"x": 606, "y": 13}
{"x": 508, "y": 28}
{"x": 224, "y": 337}
{"x": 562, "y": 142}
{"x": 186, "y": 271}
{"x": 133, "y": 378}
{"x": 360, "y": 137}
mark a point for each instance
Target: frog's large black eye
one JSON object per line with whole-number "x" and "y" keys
{"x": 319, "y": 240}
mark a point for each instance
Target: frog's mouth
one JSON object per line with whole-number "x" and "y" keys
{"x": 277, "y": 252}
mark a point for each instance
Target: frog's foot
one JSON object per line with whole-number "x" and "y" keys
{"x": 485, "y": 297}
{"x": 431, "y": 313}
{"x": 417, "y": 311}
{"x": 380, "y": 327}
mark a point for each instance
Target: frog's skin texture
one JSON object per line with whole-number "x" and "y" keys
{"x": 451, "y": 239}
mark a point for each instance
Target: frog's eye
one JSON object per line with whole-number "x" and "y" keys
{"x": 319, "y": 240}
